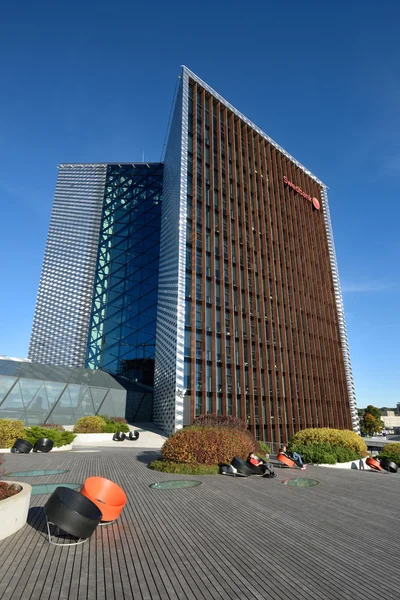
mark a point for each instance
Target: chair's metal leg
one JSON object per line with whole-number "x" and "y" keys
{"x": 80, "y": 540}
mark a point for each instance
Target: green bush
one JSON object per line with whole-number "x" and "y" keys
{"x": 324, "y": 453}
{"x": 60, "y": 438}
{"x": 342, "y": 438}
{"x": 184, "y": 469}
{"x": 345, "y": 455}
{"x": 51, "y": 426}
{"x": 207, "y": 445}
{"x": 264, "y": 448}
{"x": 392, "y": 452}
{"x": 10, "y": 430}
{"x": 113, "y": 426}
{"x": 91, "y": 424}
{"x": 220, "y": 421}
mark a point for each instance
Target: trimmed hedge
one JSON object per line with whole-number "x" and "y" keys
{"x": 10, "y": 430}
{"x": 60, "y": 438}
{"x": 342, "y": 438}
{"x": 184, "y": 469}
{"x": 90, "y": 425}
{"x": 113, "y": 426}
{"x": 392, "y": 452}
{"x": 207, "y": 445}
{"x": 220, "y": 421}
{"x": 100, "y": 424}
{"x": 324, "y": 453}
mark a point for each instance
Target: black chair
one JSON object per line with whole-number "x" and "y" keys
{"x": 242, "y": 467}
{"x": 21, "y": 447}
{"x": 43, "y": 445}
{"x": 73, "y": 513}
{"x": 388, "y": 465}
{"x": 119, "y": 436}
{"x": 133, "y": 436}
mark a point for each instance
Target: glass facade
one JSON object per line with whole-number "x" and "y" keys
{"x": 122, "y": 330}
{"x": 37, "y": 393}
{"x": 60, "y": 325}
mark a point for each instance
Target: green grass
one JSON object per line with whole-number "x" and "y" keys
{"x": 184, "y": 469}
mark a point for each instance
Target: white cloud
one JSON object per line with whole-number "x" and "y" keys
{"x": 364, "y": 287}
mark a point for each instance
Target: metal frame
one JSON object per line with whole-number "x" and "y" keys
{"x": 48, "y": 523}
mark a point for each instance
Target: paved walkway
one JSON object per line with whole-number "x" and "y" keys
{"x": 228, "y": 538}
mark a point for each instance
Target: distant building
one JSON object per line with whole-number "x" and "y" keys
{"x": 239, "y": 266}
{"x": 391, "y": 420}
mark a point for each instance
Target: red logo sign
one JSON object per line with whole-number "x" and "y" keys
{"x": 300, "y": 191}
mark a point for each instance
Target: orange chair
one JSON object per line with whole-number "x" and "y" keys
{"x": 106, "y": 495}
{"x": 285, "y": 460}
{"x": 374, "y": 464}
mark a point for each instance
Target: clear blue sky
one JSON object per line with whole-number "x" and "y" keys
{"x": 93, "y": 82}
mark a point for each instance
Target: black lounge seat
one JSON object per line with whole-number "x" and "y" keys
{"x": 119, "y": 436}
{"x": 73, "y": 513}
{"x": 21, "y": 447}
{"x": 43, "y": 445}
{"x": 243, "y": 467}
{"x": 133, "y": 436}
{"x": 388, "y": 465}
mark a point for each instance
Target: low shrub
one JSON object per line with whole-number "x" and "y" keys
{"x": 220, "y": 421}
{"x": 118, "y": 420}
{"x": 264, "y": 448}
{"x": 324, "y": 453}
{"x": 113, "y": 426}
{"x": 342, "y": 438}
{"x": 207, "y": 445}
{"x": 184, "y": 469}
{"x": 91, "y": 424}
{"x": 51, "y": 426}
{"x": 391, "y": 452}
{"x": 10, "y": 430}
{"x": 60, "y": 438}
{"x": 8, "y": 489}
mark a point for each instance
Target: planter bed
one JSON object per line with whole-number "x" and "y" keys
{"x": 14, "y": 510}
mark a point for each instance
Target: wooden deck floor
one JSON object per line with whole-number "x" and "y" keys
{"x": 228, "y": 538}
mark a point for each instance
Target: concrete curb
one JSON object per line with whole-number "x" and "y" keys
{"x": 359, "y": 465}
{"x": 62, "y": 449}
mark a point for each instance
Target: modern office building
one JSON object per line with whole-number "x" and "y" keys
{"x": 250, "y": 313}
{"x": 250, "y": 318}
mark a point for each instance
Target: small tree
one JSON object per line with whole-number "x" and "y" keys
{"x": 374, "y": 411}
{"x": 371, "y": 421}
